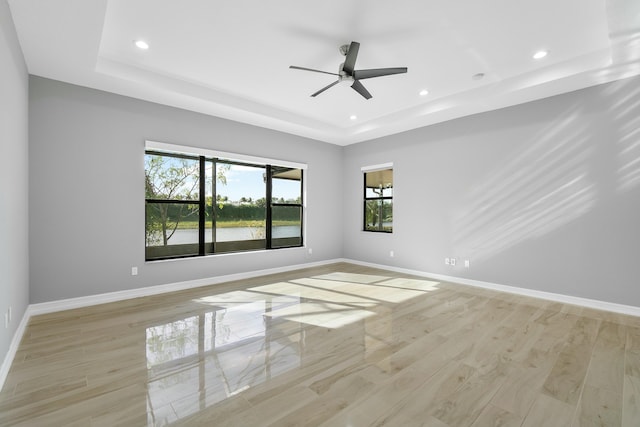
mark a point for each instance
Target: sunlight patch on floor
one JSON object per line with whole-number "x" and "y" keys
{"x": 321, "y": 300}
{"x": 233, "y": 299}
{"x": 352, "y": 277}
{"x": 325, "y": 315}
{"x": 415, "y": 284}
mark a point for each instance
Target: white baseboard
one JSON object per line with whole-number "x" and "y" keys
{"x": 13, "y": 347}
{"x": 71, "y": 303}
{"x": 565, "y": 299}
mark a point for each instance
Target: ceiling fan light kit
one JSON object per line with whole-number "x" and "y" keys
{"x": 348, "y": 74}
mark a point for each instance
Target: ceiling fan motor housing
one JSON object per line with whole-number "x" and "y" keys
{"x": 343, "y": 76}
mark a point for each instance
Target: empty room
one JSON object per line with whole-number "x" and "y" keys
{"x": 339, "y": 213}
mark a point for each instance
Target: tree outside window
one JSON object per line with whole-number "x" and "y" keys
{"x": 196, "y": 205}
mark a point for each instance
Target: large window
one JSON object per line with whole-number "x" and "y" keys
{"x": 378, "y": 199}
{"x": 199, "y": 204}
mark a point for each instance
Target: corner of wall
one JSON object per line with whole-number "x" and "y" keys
{"x": 14, "y": 187}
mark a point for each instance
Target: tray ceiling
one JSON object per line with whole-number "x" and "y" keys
{"x": 231, "y": 59}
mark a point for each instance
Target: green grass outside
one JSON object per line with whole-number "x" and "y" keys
{"x": 185, "y": 225}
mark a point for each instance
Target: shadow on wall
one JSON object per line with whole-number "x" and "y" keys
{"x": 626, "y": 117}
{"x": 544, "y": 187}
{"x": 548, "y": 184}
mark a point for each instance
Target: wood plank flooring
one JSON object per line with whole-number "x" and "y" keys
{"x": 339, "y": 345}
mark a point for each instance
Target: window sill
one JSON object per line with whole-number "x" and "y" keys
{"x": 227, "y": 254}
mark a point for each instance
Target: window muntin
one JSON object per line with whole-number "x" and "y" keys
{"x": 209, "y": 222}
{"x": 235, "y": 213}
{"x": 378, "y": 201}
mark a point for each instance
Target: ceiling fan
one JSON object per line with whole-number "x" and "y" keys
{"x": 347, "y": 73}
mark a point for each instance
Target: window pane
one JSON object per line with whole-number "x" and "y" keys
{"x": 173, "y": 178}
{"x": 379, "y": 215}
{"x": 286, "y": 226}
{"x": 286, "y": 185}
{"x": 241, "y": 207}
{"x": 379, "y": 183}
{"x": 171, "y": 229}
{"x": 379, "y": 192}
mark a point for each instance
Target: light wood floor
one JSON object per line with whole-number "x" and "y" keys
{"x": 340, "y": 345}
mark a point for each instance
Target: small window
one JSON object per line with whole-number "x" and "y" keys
{"x": 378, "y": 200}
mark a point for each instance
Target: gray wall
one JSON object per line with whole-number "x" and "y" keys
{"x": 545, "y": 195}
{"x": 87, "y": 190}
{"x": 14, "y": 176}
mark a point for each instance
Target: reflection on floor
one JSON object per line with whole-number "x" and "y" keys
{"x": 339, "y": 345}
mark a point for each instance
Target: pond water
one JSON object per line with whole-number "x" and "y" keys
{"x": 233, "y": 234}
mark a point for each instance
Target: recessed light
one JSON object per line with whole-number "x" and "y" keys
{"x": 540, "y": 54}
{"x": 141, "y": 44}
{"x": 478, "y": 76}
{"x": 353, "y": 117}
{"x": 424, "y": 92}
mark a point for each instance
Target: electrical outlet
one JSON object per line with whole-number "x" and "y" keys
{"x": 310, "y": 251}
{"x": 134, "y": 271}
{"x": 447, "y": 261}
{"x": 391, "y": 254}
{"x": 467, "y": 264}
{"x": 453, "y": 261}
{"x": 10, "y": 315}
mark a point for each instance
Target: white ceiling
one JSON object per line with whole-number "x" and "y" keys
{"x": 230, "y": 59}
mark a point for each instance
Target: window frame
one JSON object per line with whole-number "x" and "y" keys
{"x": 201, "y": 202}
{"x": 381, "y": 199}
{"x": 270, "y": 206}
{"x": 204, "y": 156}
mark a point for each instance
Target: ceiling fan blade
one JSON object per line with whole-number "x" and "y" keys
{"x": 352, "y": 55}
{"x": 358, "y": 87}
{"x": 378, "y": 72}
{"x": 311, "y": 69}
{"x": 325, "y": 88}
